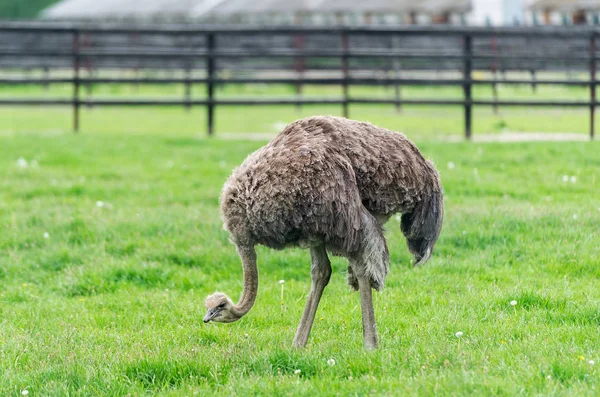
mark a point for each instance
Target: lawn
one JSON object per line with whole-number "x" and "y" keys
{"x": 111, "y": 240}
{"x": 424, "y": 122}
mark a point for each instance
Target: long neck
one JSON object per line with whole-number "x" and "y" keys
{"x": 248, "y": 256}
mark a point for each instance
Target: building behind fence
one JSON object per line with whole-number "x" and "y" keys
{"x": 83, "y": 56}
{"x": 313, "y": 12}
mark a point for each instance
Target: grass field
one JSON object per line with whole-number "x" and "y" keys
{"x": 110, "y": 242}
{"x": 423, "y": 122}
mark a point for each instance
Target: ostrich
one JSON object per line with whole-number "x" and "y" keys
{"x": 329, "y": 184}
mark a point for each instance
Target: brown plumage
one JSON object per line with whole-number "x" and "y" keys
{"x": 329, "y": 184}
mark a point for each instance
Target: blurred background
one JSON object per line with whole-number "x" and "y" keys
{"x": 432, "y": 68}
{"x": 315, "y": 12}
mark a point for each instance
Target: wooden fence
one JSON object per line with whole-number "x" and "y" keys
{"x": 346, "y": 56}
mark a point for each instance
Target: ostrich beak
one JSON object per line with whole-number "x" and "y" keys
{"x": 421, "y": 259}
{"x": 210, "y": 315}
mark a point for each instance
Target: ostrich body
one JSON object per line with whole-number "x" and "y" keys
{"x": 329, "y": 184}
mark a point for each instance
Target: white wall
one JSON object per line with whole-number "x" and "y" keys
{"x": 498, "y": 12}
{"x": 513, "y": 12}
{"x": 485, "y": 11}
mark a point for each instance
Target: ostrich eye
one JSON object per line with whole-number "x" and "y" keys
{"x": 221, "y": 306}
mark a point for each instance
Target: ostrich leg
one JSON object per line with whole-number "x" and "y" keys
{"x": 320, "y": 272}
{"x": 369, "y": 269}
{"x": 368, "y": 313}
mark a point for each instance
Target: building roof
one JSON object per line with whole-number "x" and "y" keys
{"x": 171, "y": 9}
{"x": 565, "y": 5}
{"x": 119, "y": 9}
{"x": 440, "y": 6}
{"x": 228, "y": 7}
{"x": 266, "y": 6}
{"x": 366, "y": 6}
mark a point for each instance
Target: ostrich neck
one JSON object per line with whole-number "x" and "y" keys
{"x": 248, "y": 256}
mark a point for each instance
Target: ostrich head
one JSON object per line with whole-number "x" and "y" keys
{"x": 422, "y": 227}
{"x": 220, "y": 309}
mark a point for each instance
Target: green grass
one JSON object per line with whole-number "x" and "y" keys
{"x": 424, "y": 122}
{"x": 111, "y": 303}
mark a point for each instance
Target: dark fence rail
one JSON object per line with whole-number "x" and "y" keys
{"x": 340, "y": 56}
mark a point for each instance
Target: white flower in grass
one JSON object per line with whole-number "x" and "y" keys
{"x": 25, "y": 392}
{"x": 513, "y": 303}
{"x": 282, "y": 300}
{"x": 565, "y": 178}
{"x": 297, "y": 372}
{"x": 591, "y": 362}
{"x": 22, "y": 163}
{"x": 451, "y": 165}
{"x": 46, "y": 235}
{"x": 331, "y": 362}
{"x": 575, "y": 216}
{"x": 459, "y": 334}
{"x": 103, "y": 204}
{"x": 573, "y": 179}
{"x": 549, "y": 377}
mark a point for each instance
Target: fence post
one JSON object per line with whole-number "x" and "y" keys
{"x": 468, "y": 65}
{"x": 210, "y": 75}
{"x": 345, "y": 66}
{"x": 76, "y": 82}
{"x": 592, "y": 83}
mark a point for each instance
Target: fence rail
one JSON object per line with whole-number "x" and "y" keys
{"x": 348, "y": 51}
